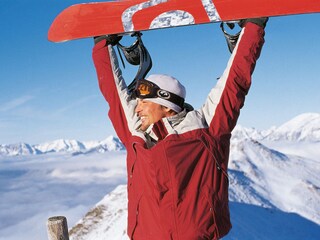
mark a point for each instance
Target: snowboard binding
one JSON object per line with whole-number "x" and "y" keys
{"x": 136, "y": 54}
{"x": 230, "y": 38}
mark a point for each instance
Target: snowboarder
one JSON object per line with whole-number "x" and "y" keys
{"x": 177, "y": 157}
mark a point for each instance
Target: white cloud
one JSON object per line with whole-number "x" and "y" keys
{"x": 75, "y": 104}
{"x": 17, "y": 102}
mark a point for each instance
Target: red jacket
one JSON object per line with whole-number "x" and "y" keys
{"x": 178, "y": 189}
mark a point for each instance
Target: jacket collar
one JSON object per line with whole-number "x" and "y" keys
{"x": 159, "y": 130}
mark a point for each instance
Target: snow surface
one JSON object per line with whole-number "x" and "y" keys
{"x": 274, "y": 185}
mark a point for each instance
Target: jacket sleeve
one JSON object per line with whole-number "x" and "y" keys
{"x": 222, "y": 107}
{"x": 114, "y": 90}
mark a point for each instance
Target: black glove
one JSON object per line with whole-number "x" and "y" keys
{"x": 259, "y": 21}
{"x": 112, "y": 39}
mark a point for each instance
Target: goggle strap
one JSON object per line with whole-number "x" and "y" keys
{"x": 175, "y": 99}
{"x": 154, "y": 93}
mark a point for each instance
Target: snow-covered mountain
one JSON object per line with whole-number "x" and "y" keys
{"x": 61, "y": 145}
{"x": 17, "y": 149}
{"x": 274, "y": 192}
{"x": 268, "y": 178}
{"x": 109, "y": 144}
{"x": 304, "y": 127}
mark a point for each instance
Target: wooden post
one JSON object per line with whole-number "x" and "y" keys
{"x": 57, "y": 228}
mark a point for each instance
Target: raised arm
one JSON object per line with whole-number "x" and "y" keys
{"x": 222, "y": 107}
{"x": 114, "y": 89}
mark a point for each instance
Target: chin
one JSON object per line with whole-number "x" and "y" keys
{"x": 143, "y": 128}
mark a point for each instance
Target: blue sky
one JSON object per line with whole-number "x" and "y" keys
{"x": 49, "y": 91}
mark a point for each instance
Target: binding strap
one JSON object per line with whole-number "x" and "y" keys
{"x": 230, "y": 38}
{"x": 137, "y": 54}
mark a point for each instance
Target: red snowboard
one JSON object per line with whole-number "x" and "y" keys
{"x": 94, "y": 19}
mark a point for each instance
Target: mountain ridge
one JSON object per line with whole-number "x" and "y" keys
{"x": 111, "y": 143}
{"x": 304, "y": 127}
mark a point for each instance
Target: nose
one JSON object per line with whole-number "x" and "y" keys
{"x": 138, "y": 107}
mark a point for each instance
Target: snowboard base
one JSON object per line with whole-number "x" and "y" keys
{"x": 123, "y": 17}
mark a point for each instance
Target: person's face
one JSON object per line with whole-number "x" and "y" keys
{"x": 150, "y": 112}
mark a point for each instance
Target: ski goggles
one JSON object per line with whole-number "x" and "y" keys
{"x": 146, "y": 89}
